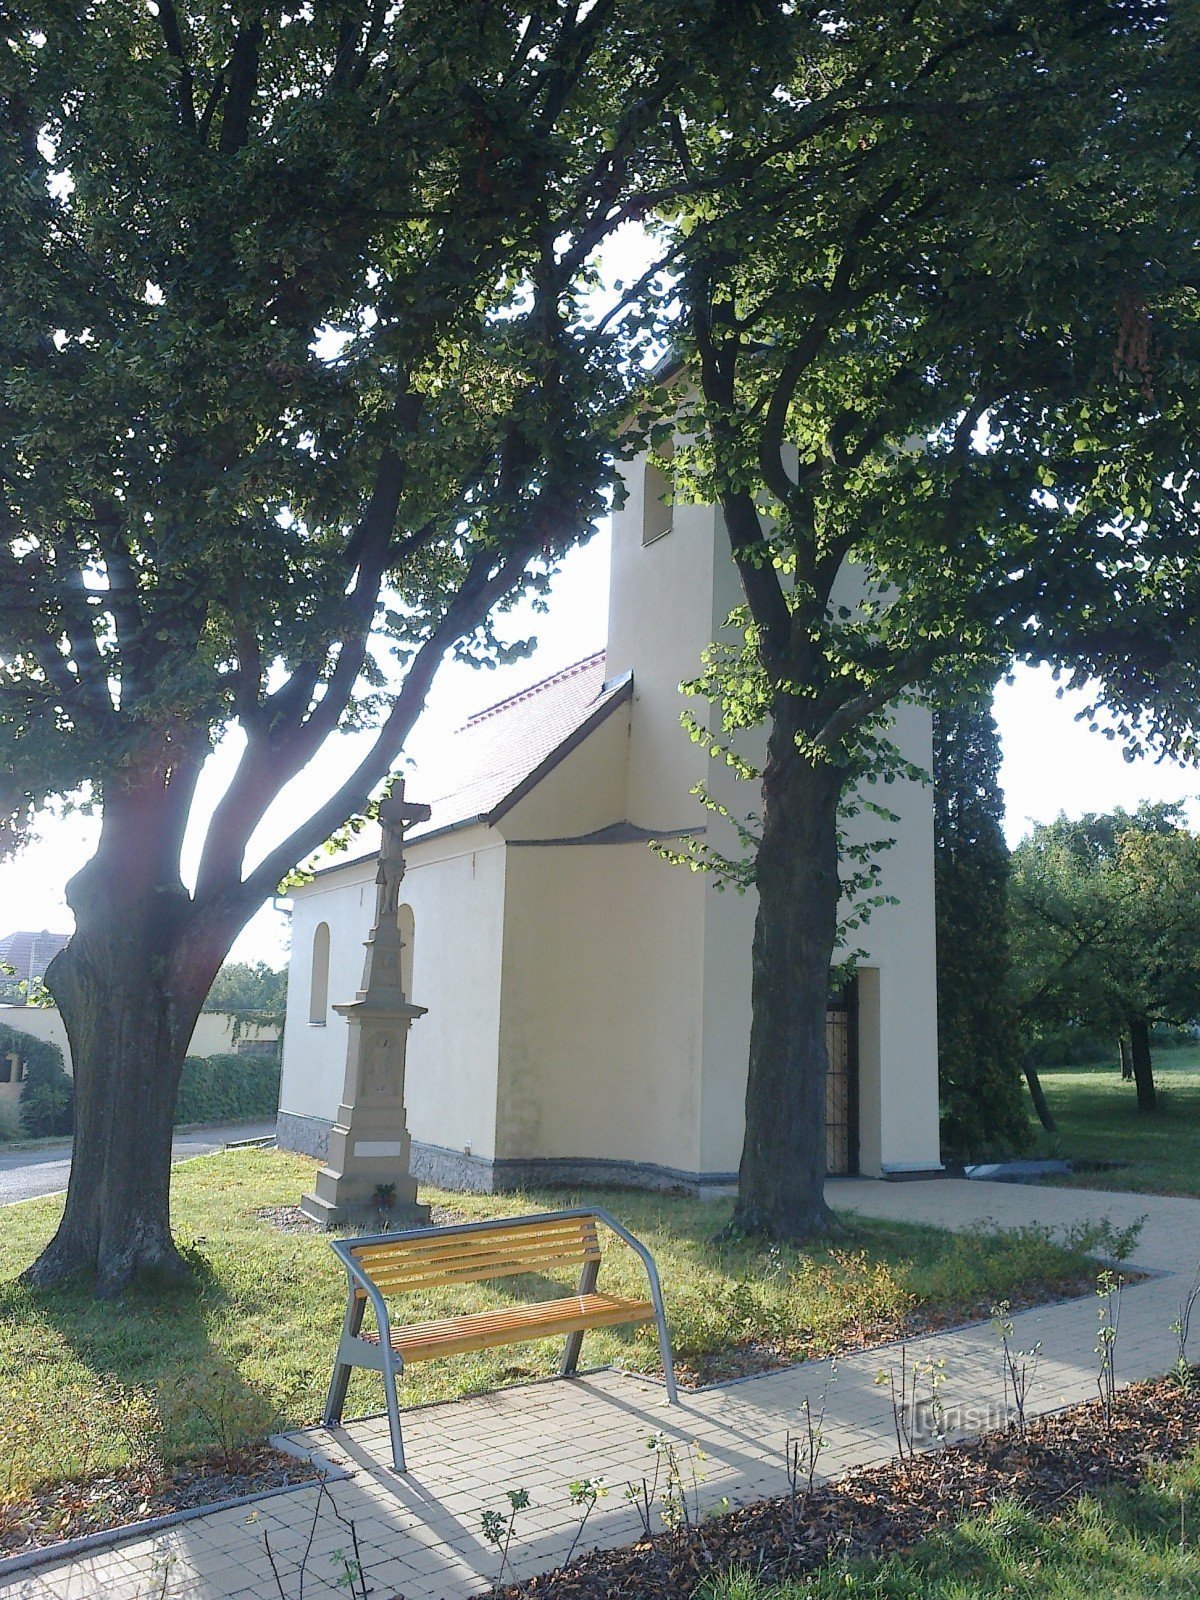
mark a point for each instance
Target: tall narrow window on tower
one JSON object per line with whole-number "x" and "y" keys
{"x": 658, "y": 490}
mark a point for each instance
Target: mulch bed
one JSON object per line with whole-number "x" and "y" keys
{"x": 100, "y": 1504}
{"x": 891, "y": 1508}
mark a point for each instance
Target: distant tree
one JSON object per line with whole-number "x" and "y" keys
{"x": 979, "y": 1053}
{"x": 246, "y": 986}
{"x": 1106, "y": 926}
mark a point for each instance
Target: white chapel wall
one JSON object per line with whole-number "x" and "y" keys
{"x": 668, "y": 599}
{"x": 600, "y": 1026}
{"x": 454, "y": 890}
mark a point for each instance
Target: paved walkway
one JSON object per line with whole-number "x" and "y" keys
{"x": 421, "y": 1535}
{"x": 45, "y": 1168}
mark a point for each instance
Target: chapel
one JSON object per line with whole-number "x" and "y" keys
{"x": 587, "y": 1001}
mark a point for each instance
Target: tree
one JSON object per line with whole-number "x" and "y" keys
{"x": 938, "y": 366}
{"x": 979, "y": 1056}
{"x": 300, "y": 385}
{"x": 1107, "y": 926}
{"x": 255, "y": 995}
{"x": 247, "y": 986}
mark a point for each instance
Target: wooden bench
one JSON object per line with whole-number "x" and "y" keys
{"x": 384, "y": 1266}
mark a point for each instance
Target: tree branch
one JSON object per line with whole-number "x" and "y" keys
{"x": 173, "y": 37}
{"x": 243, "y": 85}
{"x": 466, "y": 611}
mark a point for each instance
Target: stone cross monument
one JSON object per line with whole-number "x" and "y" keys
{"x": 367, "y": 1167}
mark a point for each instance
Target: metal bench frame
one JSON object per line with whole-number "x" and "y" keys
{"x": 354, "y": 1351}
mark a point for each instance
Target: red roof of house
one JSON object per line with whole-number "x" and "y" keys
{"x": 502, "y": 751}
{"x": 29, "y": 953}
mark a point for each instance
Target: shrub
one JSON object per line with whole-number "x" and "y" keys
{"x": 46, "y": 1092}
{"x": 814, "y": 1309}
{"x": 227, "y": 1088}
{"x": 223, "y": 1088}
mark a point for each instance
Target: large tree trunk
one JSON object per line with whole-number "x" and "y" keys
{"x": 130, "y": 985}
{"x": 1125, "y": 1062}
{"x": 782, "y": 1179}
{"x": 1143, "y": 1066}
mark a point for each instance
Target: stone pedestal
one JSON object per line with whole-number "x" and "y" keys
{"x": 369, "y": 1146}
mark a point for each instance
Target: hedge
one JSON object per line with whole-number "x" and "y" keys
{"x": 227, "y": 1088}
{"x": 224, "y": 1088}
{"x": 46, "y": 1090}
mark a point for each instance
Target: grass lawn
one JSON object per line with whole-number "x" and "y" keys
{"x": 248, "y": 1345}
{"x": 1125, "y": 1545}
{"x": 1098, "y": 1120}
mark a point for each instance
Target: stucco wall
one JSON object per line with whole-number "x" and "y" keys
{"x": 898, "y": 1115}
{"x": 455, "y": 890}
{"x": 901, "y": 944}
{"x": 584, "y": 792}
{"x": 660, "y": 610}
{"x": 600, "y": 1024}
{"x": 668, "y": 599}
{"x": 213, "y": 1034}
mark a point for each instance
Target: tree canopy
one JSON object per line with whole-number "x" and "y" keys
{"x": 1106, "y": 918}
{"x": 248, "y": 986}
{"x": 979, "y": 1051}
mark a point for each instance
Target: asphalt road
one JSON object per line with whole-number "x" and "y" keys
{"x": 44, "y": 1168}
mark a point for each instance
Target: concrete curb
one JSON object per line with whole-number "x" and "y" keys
{"x": 106, "y": 1538}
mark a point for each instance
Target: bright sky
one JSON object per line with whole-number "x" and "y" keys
{"x": 1051, "y": 762}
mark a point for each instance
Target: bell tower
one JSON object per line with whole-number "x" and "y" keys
{"x": 672, "y": 586}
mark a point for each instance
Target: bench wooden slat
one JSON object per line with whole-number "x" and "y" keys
{"x": 581, "y": 1235}
{"x": 481, "y": 1330}
{"x": 476, "y": 1255}
{"x": 498, "y": 1228}
{"x": 474, "y": 1269}
{"x": 512, "y": 1250}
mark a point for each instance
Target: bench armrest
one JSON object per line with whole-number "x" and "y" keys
{"x": 639, "y": 1249}
{"x": 358, "y": 1280}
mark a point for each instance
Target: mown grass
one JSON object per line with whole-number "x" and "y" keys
{"x": 247, "y": 1345}
{"x": 1098, "y": 1121}
{"x": 1124, "y": 1545}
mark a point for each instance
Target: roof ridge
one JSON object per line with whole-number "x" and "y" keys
{"x": 563, "y": 673}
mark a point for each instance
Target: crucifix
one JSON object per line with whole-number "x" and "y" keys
{"x": 395, "y": 813}
{"x": 367, "y": 1170}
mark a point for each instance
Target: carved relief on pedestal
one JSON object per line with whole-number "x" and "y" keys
{"x": 378, "y": 1074}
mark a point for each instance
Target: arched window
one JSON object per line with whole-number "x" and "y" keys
{"x": 658, "y": 490}
{"x": 405, "y": 922}
{"x": 318, "y": 989}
